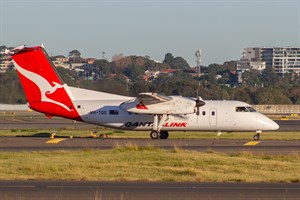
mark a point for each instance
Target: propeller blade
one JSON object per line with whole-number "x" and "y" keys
{"x": 199, "y": 103}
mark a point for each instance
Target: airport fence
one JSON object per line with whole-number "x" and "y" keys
{"x": 13, "y": 107}
{"x": 278, "y": 109}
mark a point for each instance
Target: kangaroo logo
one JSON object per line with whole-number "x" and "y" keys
{"x": 44, "y": 86}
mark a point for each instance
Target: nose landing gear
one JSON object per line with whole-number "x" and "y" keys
{"x": 256, "y": 137}
{"x": 154, "y": 134}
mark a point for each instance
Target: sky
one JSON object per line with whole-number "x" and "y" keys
{"x": 220, "y": 28}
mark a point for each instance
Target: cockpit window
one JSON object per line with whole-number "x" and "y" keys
{"x": 241, "y": 109}
{"x": 251, "y": 109}
{"x": 244, "y": 109}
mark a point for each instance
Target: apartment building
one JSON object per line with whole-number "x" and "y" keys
{"x": 281, "y": 59}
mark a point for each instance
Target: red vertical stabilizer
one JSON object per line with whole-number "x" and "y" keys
{"x": 45, "y": 91}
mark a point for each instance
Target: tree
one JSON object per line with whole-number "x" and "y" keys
{"x": 2, "y": 48}
{"x": 134, "y": 72}
{"x": 230, "y": 65}
{"x": 74, "y": 53}
{"x": 10, "y": 88}
{"x": 102, "y": 68}
{"x": 225, "y": 79}
{"x": 295, "y": 94}
{"x": 68, "y": 76}
{"x": 270, "y": 77}
{"x": 215, "y": 68}
{"x": 168, "y": 58}
{"x": 74, "y": 56}
{"x": 271, "y": 96}
{"x": 242, "y": 95}
{"x": 252, "y": 78}
{"x": 176, "y": 63}
{"x": 180, "y": 63}
{"x": 138, "y": 86}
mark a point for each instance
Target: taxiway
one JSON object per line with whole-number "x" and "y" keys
{"x": 205, "y": 145}
{"x": 36, "y": 190}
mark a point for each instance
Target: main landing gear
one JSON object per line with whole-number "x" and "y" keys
{"x": 154, "y": 134}
{"x": 256, "y": 137}
{"x": 161, "y": 134}
{"x": 158, "y": 123}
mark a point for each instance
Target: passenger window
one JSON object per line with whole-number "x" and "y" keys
{"x": 203, "y": 113}
{"x": 213, "y": 113}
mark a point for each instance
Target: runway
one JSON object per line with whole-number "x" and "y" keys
{"x": 141, "y": 190}
{"x": 204, "y": 145}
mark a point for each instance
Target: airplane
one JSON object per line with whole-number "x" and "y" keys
{"x": 47, "y": 93}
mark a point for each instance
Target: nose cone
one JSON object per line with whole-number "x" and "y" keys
{"x": 268, "y": 124}
{"x": 273, "y": 125}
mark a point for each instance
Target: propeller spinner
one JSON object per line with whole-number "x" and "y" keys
{"x": 199, "y": 102}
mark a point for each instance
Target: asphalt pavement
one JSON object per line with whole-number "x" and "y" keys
{"x": 51, "y": 190}
{"x": 205, "y": 145}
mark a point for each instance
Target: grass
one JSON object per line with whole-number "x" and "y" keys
{"x": 145, "y": 134}
{"x": 133, "y": 163}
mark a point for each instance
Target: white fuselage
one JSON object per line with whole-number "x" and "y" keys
{"x": 213, "y": 116}
{"x": 47, "y": 93}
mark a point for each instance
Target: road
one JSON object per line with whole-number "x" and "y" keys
{"x": 37, "y": 190}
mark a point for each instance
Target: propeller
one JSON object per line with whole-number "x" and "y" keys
{"x": 199, "y": 102}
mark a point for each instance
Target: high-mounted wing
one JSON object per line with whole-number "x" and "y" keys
{"x": 152, "y": 103}
{"x": 151, "y": 98}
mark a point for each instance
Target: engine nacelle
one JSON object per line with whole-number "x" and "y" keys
{"x": 174, "y": 105}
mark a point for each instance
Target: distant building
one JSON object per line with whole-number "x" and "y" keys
{"x": 60, "y": 61}
{"x": 281, "y": 59}
{"x": 246, "y": 65}
{"x": 5, "y": 60}
{"x": 5, "y": 65}
{"x": 193, "y": 72}
{"x": 150, "y": 75}
{"x": 170, "y": 72}
{"x": 243, "y": 66}
{"x": 90, "y": 61}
